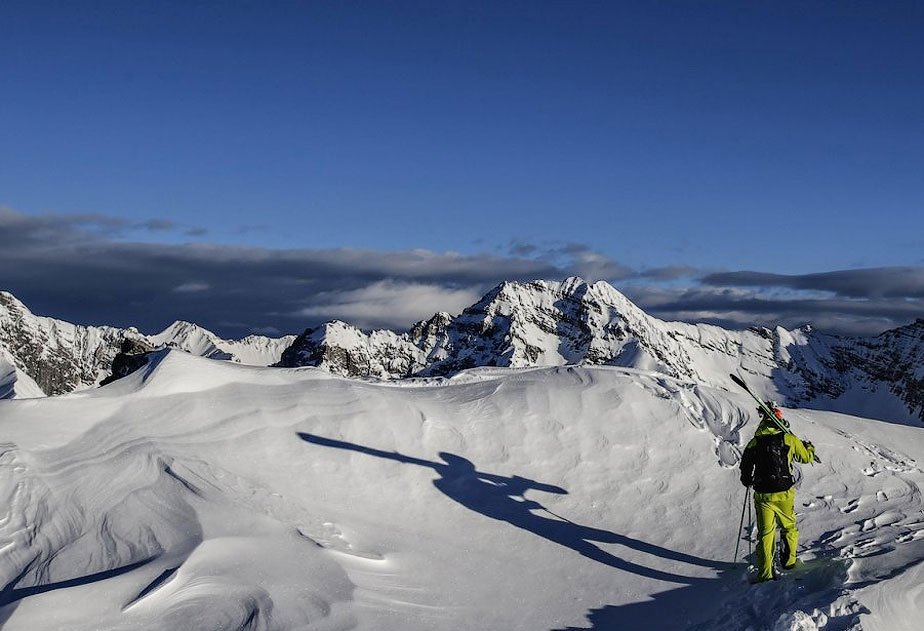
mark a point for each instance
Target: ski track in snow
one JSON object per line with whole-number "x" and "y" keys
{"x": 568, "y": 497}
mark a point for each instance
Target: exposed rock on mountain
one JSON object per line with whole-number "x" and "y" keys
{"x": 44, "y": 356}
{"x": 892, "y": 360}
{"x": 344, "y": 349}
{"x": 14, "y": 382}
{"x": 553, "y": 323}
{"x": 539, "y": 323}
{"x": 132, "y": 356}
{"x": 58, "y": 356}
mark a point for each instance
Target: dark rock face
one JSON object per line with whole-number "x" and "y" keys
{"x": 345, "y": 350}
{"x": 131, "y": 356}
{"x": 895, "y": 357}
{"x": 302, "y": 352}
{"x": 61, "y": 357}
{"x": 51, "y": 364}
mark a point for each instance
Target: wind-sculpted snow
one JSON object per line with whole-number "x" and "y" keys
{"x": 196, "y": 494}
{"x": 68, "y": 517}
{"x": 14, "y": 382}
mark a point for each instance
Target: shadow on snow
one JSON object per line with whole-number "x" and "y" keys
{"x": 501, "y": 498}
{"x": 10, "y": 595}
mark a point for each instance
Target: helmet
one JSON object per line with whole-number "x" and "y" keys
{"x": 773, "y": 407}
{"x": 777, "y": 414}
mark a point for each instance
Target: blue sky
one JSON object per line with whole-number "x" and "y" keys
{"x": 784, "y": 138}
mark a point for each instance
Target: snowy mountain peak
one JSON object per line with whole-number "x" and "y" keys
{"x": 10, "y": 303}
{"x": 516, "y": 324}
{"x": 253, "y": 350}
{"x": 507, "y": 296}
{"x": 44, "y": 356}
{"x": 538, "y": 323}
{"x": 54, "y": 355}
{"x": 551, "y": 323}
{"x": 191, "y": 338}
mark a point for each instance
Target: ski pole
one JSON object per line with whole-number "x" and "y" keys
{"x": 750, "y": 527}
{"x": 557, "y": 515}
{"x": 747, "y": 491}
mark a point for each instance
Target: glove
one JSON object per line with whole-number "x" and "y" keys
{"x": 746, "y": 481}
{"x": 811, "y": 449}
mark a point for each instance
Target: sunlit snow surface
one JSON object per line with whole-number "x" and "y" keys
{"x": 197, "y": 494}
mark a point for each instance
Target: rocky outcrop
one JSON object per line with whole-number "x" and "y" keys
{"x": 131, "y": 357}
{"x": 60, "y": 357}
{"x": 895, "y": 358}
{"x": 345, "y": 350}
{"x": 45, "y": 356}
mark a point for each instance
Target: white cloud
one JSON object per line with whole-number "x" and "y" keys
{"x": 49, "y": 259}
{"x": 192, "y": 287}
{"x": 389, "y": 303}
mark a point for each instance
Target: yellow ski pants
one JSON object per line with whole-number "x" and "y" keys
{"x": 773, "y": 509}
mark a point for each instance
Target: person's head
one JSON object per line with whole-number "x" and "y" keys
{"x": 457, "y": 462}
{"x": 777, "y": 413}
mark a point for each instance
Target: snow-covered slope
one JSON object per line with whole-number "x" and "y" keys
{"x": 545, "y": 323}
{"x": 196, "y": 494}
{"x": 52, "y": 356}
{"x": 14, "y": 383}
{"x": 57, "y": 355}
{"x": 253, "y": 350}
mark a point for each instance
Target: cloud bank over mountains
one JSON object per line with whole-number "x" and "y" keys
{"x": 84, "y": 269}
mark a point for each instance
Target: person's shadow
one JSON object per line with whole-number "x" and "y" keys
{"x": 502, "y": 498}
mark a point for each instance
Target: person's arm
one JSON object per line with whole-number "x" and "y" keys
{"x": 803, "y": 452}
{"x": 747, "y": 465}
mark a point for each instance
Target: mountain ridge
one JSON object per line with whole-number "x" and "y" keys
{"x": 41, "y": 356}
{"x": 549, "y": 323}
{"x": 516, "y": 324}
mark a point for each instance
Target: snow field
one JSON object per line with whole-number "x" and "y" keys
{"x": 201, "y": 494}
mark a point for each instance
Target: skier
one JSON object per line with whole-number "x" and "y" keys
{"x": 767, "y": 466}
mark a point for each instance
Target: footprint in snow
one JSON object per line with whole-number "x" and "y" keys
{"x": 851, "y": 506}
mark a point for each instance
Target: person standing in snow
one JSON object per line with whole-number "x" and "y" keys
{"x": 767, "y": 466}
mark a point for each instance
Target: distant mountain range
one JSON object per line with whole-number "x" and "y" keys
{"x": 518, "y": 325}
{"x": 42, "y": 356}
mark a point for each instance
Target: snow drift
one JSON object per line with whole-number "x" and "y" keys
{"x": 200, "y": 494}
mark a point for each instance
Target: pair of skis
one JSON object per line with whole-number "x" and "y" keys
{"x": 764, "y": 407}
